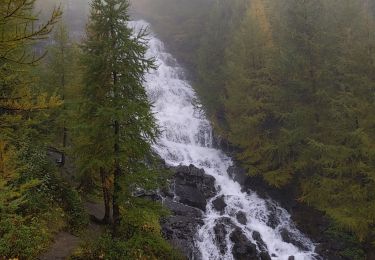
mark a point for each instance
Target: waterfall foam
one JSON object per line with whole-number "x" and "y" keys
{"x": 187, "y": 139}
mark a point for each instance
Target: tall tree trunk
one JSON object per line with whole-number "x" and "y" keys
{"x": 65, "y": 138}
{"x": 117, "y": 173}
{"x": 106, "y": 196}
{"x": 116, "y": 184}
{"x": 65, "y": 130}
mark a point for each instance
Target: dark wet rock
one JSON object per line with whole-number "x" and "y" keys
{"x": 191, "y": 175}
{"x": 291, "y": 257}
{"x": 237, "y": 174}
{"x": 191, "y": 196}
{"x": 220, "y": 234}
{"x": 264, "y": 256}
{"x": 168, "y": 191}
{"x": 241, "y": 217}
{"x": 256, "y": 236}
{"x": 180, "y": 228}
{"x": 289, "y": 238}
{"x": 221, "y": 231}
{"x": 219, "y": 203}
{"x": 193, "y": 186}
{"x": 273, "y": 216}
{"x": 259, "y": 241}
{"x": 242, "y": 249}
{"x": 182, "y": 210}
{"x": 151, "y": 195}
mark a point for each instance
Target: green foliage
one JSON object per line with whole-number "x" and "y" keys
{"x": 115, "y": 126}
{"x": 36, "y": 204}
{"x": 105, "y": 112}
{"x": 28, "y": 237}
{"x": 291, "y": 85}
{"x": 139, "y": 236}
{"x": 352, "y": 246}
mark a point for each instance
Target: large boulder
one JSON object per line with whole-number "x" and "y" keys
{"x": 186, "y": 198}
{"x": 264, "y": 255}
{"x": 193, "y": 186}
{"x": 221, "y": 231}
{"x": 243, "y": 248}
{"x": 180, "y": 228}
{"x": 146, "y": 194}
{"x": 241, "y": 217}
{"x": 238, "y": 174}
{"x": 220, "y": 237}
{"x": 219, "y": 204}
{"x": 258, "y": 238}
{"x": 288, "y": 237}
{"x": 191, "y": 196}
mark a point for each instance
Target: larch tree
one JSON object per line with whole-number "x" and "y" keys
{"x": 59, "y": 73}
{"x": 117, "y": 126}
{"x": 19, "y": 102}
{"x": 251, "y": 118}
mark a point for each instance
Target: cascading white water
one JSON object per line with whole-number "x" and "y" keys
{"x": 187, "y": 139}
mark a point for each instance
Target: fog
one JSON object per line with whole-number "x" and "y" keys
{"x": 75, "y": 13}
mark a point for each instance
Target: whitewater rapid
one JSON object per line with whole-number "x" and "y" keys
{"x": 187, "y": 139}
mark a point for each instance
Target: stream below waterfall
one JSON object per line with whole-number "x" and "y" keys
{"x": 187, "y": 139}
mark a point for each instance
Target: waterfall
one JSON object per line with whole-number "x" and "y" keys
{"x": 187, "y": 139}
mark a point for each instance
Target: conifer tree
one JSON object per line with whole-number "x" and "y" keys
{"x": 116, "y": 123}
{"x": 59, "y": 75}
{"x": 249, "y": 90}
{"x": 19, "y": 103}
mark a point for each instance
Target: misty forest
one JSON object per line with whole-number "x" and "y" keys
{"x": 187, "y": 129}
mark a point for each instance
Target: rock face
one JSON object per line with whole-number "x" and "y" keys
{"x": 220, "y": 235}
{"x": 181, "y": 227}
{"x": 219, "y": 204}
{"x": 192, "y": 189}
{"x": 243, "y": 249}
{"x": 287, "y": 237}
{"x": 221, "y": 231}
{"x": 237, "y": 174}
{"x": 241, "y": 218}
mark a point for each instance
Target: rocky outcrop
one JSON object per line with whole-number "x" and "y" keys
{"x": 259, "y": 241}
{"x": 241, "y": 217}
{"x": 289, "y": 238}
{"x": 219, "y": 204}
{"x": 193, "y": 187}
{"x": 191, "y": 196}
{"x": 186, "y": 199}
{"x": 237, "y": 174}
{"x": 243, "y": 248}
{"x": 142, "y": 193}
{"x": 180, "y": 228}
{"x": 220, "y": 237}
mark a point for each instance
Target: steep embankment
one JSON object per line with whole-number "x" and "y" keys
{"x": 236, "y": 223}
{"x": 289, "y": 84}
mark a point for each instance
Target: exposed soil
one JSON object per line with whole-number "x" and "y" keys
{"x": 62, "y": 248}
{"x": 65, "y": 243}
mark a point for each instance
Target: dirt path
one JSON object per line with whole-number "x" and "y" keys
{"x": 63, "y": 247}
{"x": 65, "y": 243}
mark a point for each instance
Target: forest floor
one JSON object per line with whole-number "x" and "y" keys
{"x": 65, "y": 243}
